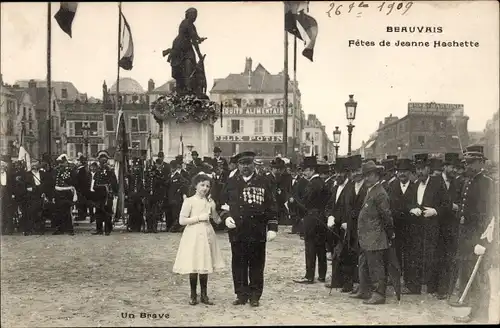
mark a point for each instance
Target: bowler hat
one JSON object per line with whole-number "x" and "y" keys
{"x": 309, "y": 162}
{"x": 389, "y": 164}
{"x": 421, "y": 159}
{"x": 404, "y": 164}
{"x": 435, "y": 163}
{"x": 355, "y": 162}
{"x": 245, "y": 156}
{"x": 370, "y": 166}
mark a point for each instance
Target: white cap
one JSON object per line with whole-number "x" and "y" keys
{"x": 62, "y": 156}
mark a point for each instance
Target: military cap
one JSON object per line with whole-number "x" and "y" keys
{"x": 474, "y": 152}
{"x": 245, "y": 157}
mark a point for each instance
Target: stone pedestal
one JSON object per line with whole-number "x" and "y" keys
{"x": 200, "y": 135}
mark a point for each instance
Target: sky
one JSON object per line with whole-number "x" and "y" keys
{"x": 382, "y": 79}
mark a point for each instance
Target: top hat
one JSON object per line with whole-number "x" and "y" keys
{"x": 355, "y": 162}
{"x": 374, "y": 160}
{"x": 323, "y": 168}
{"x": 309, "y": 162}
{"x": 217, "y": 150}
{"x": 435, "y": 163}
{"x": 404, "y": 164}
{"x": 394, "y": 157}
{"x": 370, "y": 166}
{"x": 341, "y": 164}
{"x": 277, "y": 163}
{"x": 244, "y": 157}
{"x": 421, "y": 159}
{"x": 102, "y": 153}
{"x": 389, "y": 164}
{"x": 451, "y": 158}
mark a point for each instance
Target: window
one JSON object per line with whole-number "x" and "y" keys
{"x": 78, "y": 129}
{"x": 235, "y": 148}
{"x": 316, "y": 149}
{"x": 79, "y": 148}
{"x": 421, "y": 140}
{"x": 64, "y": 93}
{"x": 236, "y": 126}
{"x": 94, "y": 149}
{"x": 134, "y": 124}
{"x": 30, "y": 121}
{"x": 278, "y": 125}
{"x": 316, "y": 136}
{"x": 93, "y": 129}
{"x": 143, "y": 124}
{"x": 24, "y": 113}
{"x": 110, "y": 124}
{"x": 259, "y": 102}
{"x": 237, "y": 101}
{"x": 308, "y": 136}
{"x": 259, "y": 126}
{"x": 307, "y": 149}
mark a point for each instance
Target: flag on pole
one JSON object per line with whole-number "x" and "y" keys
{"x": 181, "y": 147}
{"x": 64, "y": 17}
{"x": 126, "y": 45}
{"x": 121, "y": 159}
{"x": 24, "y": 155}
{"x": 301, "y": 25}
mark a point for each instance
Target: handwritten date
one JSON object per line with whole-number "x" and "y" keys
{"x": 385, "y": 7}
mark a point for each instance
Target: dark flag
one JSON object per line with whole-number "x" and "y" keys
{"x": 301, "y": 25}
{"x": 65, "y": 16}
{"x": 126, "y": 45}
{"x": 121, "y": 158}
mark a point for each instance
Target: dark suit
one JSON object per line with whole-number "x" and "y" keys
{"x": 375, "y": 226}
{"x": 82, "y": 187}
{"x": 37, "y": 188}
{"x": 401, "y": 203}
{"x": 298, "y": 188}
{"x": 424, "y": 236}
{"x": 7, "y": 203}
{"x": 315, "y": 227}
{"x": 177, "y": 187}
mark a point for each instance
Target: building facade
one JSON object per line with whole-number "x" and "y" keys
{"x": 491, "y": 144}
{"x": 156, "y": 128}
{"x": 427, "y": 128}
{"x": 315, "y": 139}
{"x": 253, "y": 113}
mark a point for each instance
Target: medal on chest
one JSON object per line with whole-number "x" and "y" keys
{"x": 253, "y": 195}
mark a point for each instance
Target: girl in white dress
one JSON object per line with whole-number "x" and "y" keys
{"x": 198, "y": 253}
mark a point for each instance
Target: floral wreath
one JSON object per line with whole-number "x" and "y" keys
{"x": 187, "y": 108}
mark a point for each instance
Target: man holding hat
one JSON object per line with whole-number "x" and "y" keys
{"x": 314, "y": 225}
{"x": 429, "y": 202}
{"x": 375, "y": 232}
{"x": 251, "y": 220}
{"x": 479, "y": 236}
{"x": 106, "y": 188}
{"x": 400, "y": 193}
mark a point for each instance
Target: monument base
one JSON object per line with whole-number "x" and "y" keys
{"x": 179, "y": 135}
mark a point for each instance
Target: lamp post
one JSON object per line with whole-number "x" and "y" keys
{"x": 58, "y": 145}
{"x": 336, "y": 141}
{"x": 85, "y": 132}
{"x": 350, "y": 111}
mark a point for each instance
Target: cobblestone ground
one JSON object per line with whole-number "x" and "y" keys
{"x": 85, "y": 280}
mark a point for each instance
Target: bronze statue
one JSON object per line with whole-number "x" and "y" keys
{"x": 188, "y": 72}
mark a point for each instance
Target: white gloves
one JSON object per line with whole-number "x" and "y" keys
{"x": 416, "y": 211}
{"x": 271, "y": 235}
{"x": 29, "y": 189}
{"x": 455, "y": 207}
{"x": 225, "y": 207}
{"x": 331, "y": 221}
{"x": 479, "y": 250}
{"x": 429, "y": 211}
{"x": 344, "y": 226}
{"x": 230, "y": 223}
{"x": 204, "y": 217}
{"x": 462, "y": 220}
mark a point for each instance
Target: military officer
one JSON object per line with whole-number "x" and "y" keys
{"x": 65, "y": 196}
{"x": 135, "y": 195}
{"x": 156, "y": 187}
{"x": 106, "y": 188}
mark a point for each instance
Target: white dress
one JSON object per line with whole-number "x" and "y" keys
{"x": 198, "y": 250}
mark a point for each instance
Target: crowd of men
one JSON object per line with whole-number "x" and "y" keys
{"x": 430, "y": 214}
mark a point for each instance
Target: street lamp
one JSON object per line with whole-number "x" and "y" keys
{"x": 336, "y": 141}
{"x": 350, "y": 111}
{"x": 85, "y": 131}
{"x": 58, "y": 145}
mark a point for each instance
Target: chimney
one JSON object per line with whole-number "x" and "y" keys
{"x": 248, "y": 65}
{"x": 151, "y": 85}
{"x": 32, "y": 84}
{"x": 104, "y": 92}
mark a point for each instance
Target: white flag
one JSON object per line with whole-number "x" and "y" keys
{"x": 25, "y": 156}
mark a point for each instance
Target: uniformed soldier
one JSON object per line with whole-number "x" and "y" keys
{"x": 177, "y": 190}
{"x": 82, "y": 187}
{"x": 135, "y": 195}
{"x": 106, "y": 188}
{"x": 65, "y": 196}
{"x": 156, "y": 187}
{"x": 281, "y": 185}
{"x": 251, "y": 220}
{"x": 6, "y": 195}
{"x": 476, "y": 210}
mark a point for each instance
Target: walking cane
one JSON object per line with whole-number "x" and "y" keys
{"x": 471, "y": 279}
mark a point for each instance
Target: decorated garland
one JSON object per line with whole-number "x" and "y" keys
{"x": 183, "y": 109}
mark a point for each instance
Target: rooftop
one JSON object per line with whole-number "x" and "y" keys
{"x": 128, "y": 86}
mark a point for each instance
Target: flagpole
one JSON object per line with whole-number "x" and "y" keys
{"x": 294, "y": 113}
{"x": 49, "y": 79}
{"x": 121, "y": 172}
{"x": 285, "y": 100}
